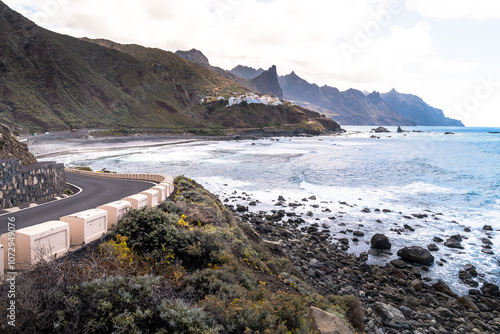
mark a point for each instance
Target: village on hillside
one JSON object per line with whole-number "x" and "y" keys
{"x": 248, "y": 98}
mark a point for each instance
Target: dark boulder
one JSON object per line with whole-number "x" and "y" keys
{"x": 241, "y": 208}
{"x": 454, "y": 242}
{"x": 381, "y": 129}
{"x": 490, "y": 289}
{"x": 433, "y": 248}
{"x": 380, "y": 241}
{"x": 416, "y": 254}
{"x": 442, "y": 287}
{"x": 358, "y": 234}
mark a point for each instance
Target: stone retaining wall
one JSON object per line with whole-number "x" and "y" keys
{"x": 31, "y": 183}
{"x": 32, "y": 246}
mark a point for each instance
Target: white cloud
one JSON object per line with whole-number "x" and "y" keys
{"x": 456, "y": 9}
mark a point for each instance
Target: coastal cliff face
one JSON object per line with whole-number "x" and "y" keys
{"x": 11, "y": 148}
{"x": 350, "y": 107}
{"x": 415, "y": 109}
{"x": 285, "y": 120}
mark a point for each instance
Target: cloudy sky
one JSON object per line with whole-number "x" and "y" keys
{"x": 445, "y": 51}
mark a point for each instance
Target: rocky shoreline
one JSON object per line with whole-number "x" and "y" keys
{"x": 397, "y": 297}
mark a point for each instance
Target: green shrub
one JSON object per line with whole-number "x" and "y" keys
{"x": 163, "y": 238}
{"x": 352, "y": 308}
{"x": 127, "y": 305}
{"x": 170, "y": 207}
{"x": 185, "y": 319}
{"x": 259, "y": 310}
{"x": 149, "y": 230}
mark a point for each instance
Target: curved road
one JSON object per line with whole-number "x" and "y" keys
{"x": 96, "y": 191}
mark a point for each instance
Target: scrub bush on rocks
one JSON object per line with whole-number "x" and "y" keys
{"x": 127, "y": 305}
{"x": 170, "y": 207}
{"x": 156, "y": 235}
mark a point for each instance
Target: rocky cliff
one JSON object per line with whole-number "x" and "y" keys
{"x": 415, "y": 109}
{"x": 350, "y": 107}
{"x": 267, "y": 83}
{"x": 246, "y": 72}
{"x": 11, "y": 148}
{"x": 260, "y": 81}
{"x": 197, "y": 57}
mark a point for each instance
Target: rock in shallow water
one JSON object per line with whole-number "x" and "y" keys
{"x": 380, "y": 241}
{"x": 454, "y": 242}
{"x": 433, "y": 247}
{"x": 416, "y": 254}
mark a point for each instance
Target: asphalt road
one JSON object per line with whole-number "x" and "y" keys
{"x": 96, "y": 191}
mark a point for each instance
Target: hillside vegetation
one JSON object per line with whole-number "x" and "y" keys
{"x": 188, "y": 266}
{"x": 50, "y": 81}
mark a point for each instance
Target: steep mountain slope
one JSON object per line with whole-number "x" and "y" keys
{"x": 351, "y": 107}
{"x": 246, "y": 72}
{"x": 11, "y": 148}
{"x": 415, "y": 109}
{"x": 53, "y": 81}
{"x": 192, "y": 71}
{"x": 267, "y": 83}
{"x": 197, "y": 57}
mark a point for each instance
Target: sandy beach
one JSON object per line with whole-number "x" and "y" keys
{"x": 45, "y": 146}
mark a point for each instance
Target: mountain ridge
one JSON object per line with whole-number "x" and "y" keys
{"x": 246, "y": 72}
{"x": 417, "y": 110}
{"x": 354, "y": 107}
{"x": 51, "y": 81}
{"x": 350, "y": 107}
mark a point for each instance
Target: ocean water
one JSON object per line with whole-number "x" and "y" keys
{"x": 454, "y": 179}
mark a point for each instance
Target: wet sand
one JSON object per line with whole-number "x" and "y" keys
{"x": 67, "y": 143}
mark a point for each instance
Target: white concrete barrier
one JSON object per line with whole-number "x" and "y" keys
{"x": 2, "y": 261}
{"x": 87, "y": 226}
{"x": 137, "y": 201}
{"x": 170, "y": 187}
{"x": 116, "y": 212}
{"x": 152, "y": 196}
{"x": 42, "y": 241}
{"x": 164, "y": 187}
{"x": 161, "y": 193}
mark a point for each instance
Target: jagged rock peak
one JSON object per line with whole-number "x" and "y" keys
{"x": 268, "y": 83}
{"x": 195, "y": 56}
